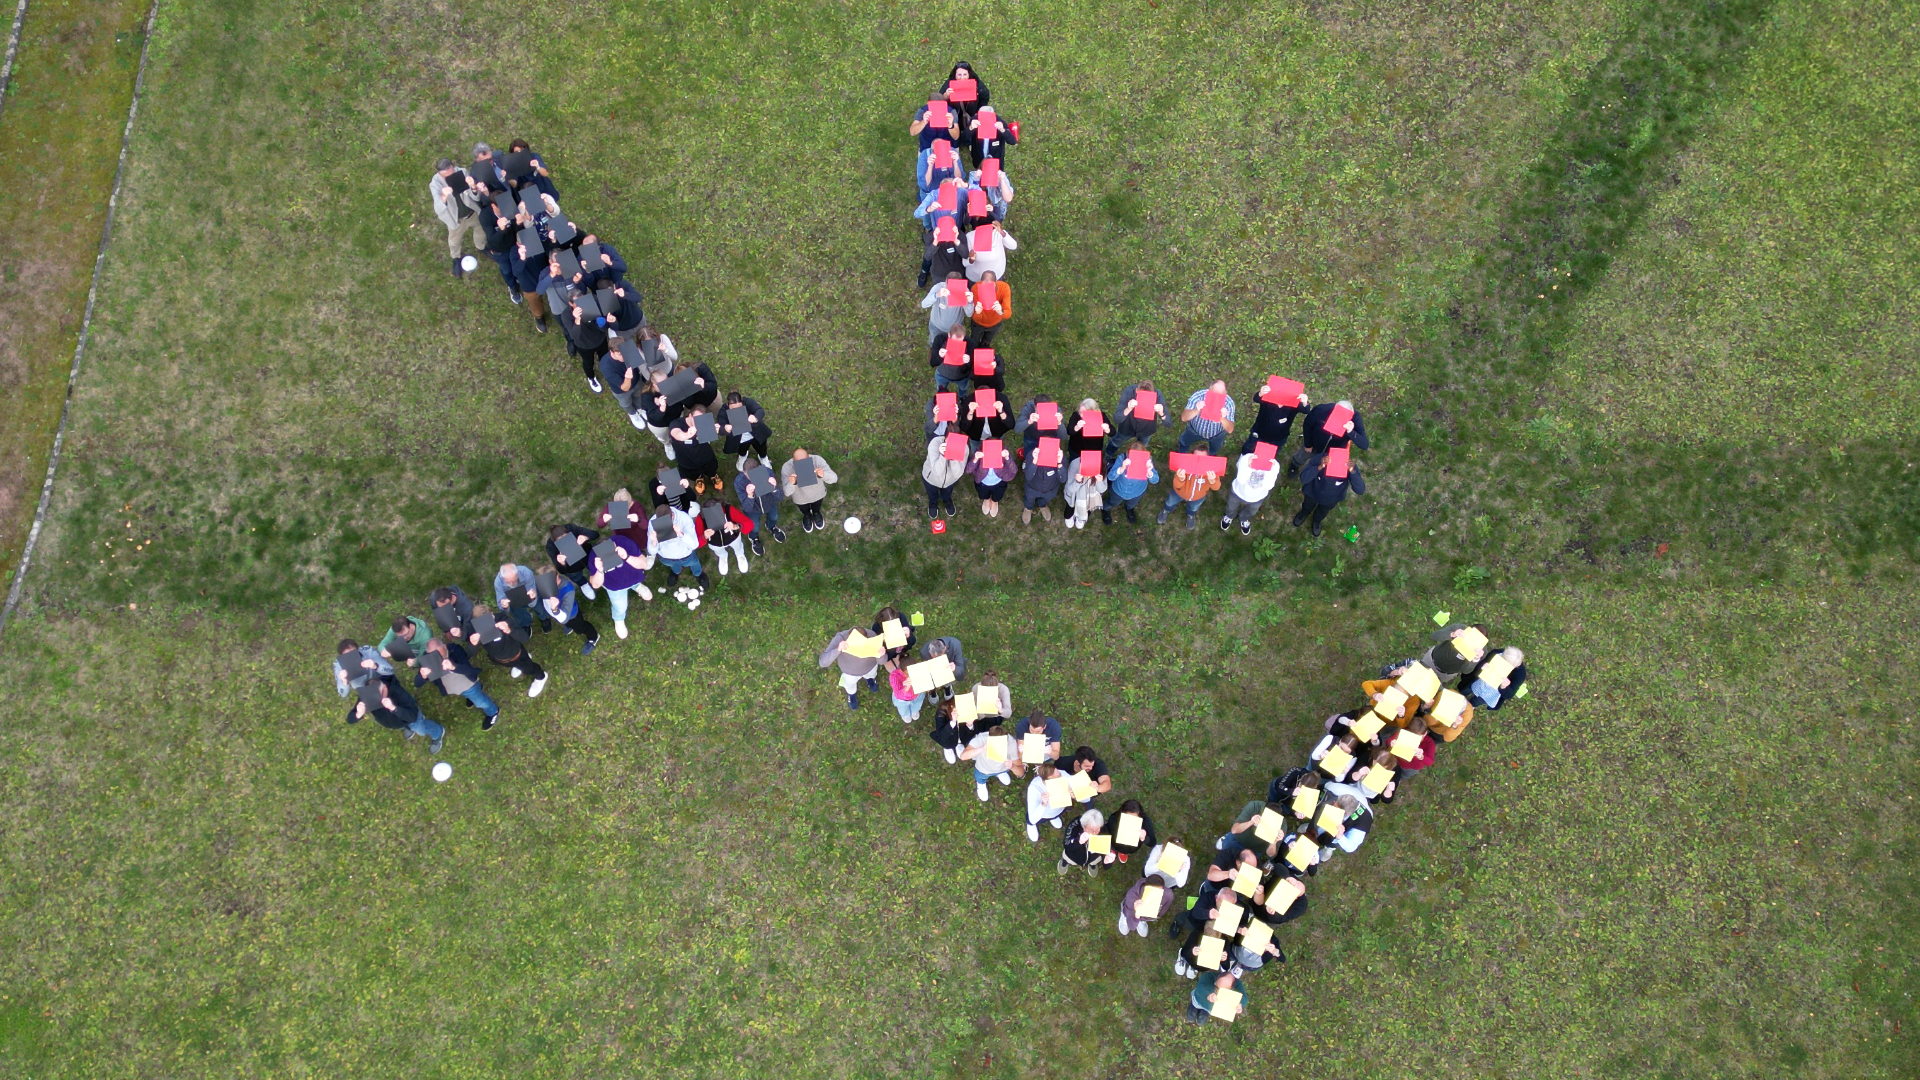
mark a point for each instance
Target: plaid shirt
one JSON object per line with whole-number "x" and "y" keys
{"x": 1202, "y": 426}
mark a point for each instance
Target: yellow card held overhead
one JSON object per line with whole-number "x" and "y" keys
{"x": 1368, "y": 726}
{"x": 1148, "y": 906}
{"x": 1470, "y": 642}
{"x": 1081, "y": 787}
{"x": 1246, "y": 879}
{"x": 1420, "y": 681}
{"x": 1131, "y": 830}
{"x": 1376, "y": 780}
{"x": 963, "y": 711}
{"x": 1337, "y": 762}
{"x": 893, "y": 634}
{"x": 1099, "y": 844}
{"x": 1393, "y": 702}
{"x": 924, "y": 676}
{"x": 1270, "y": 825}
{"x": 987, "y": 700}
{"x": 1058, "y": 794}
{"x": 1228, "y": 919}
{"x": 1033, "y": 747}
{"x": 1173, "y": 860}
{"x": 1405, "y": 746}
{"x": 1256, "y": 937}
{"x": 1495, "y": 671}
{"x": 1304, "y": 800}
{"x": 1226, "y": 1004}
{"x": 1210, "y": 952}
{"x": 998, "y": 748}
{"x": 860, "y": 645}
{"x": 1449, "y": 708}
{"x": 1331, "y": 818}
{"x": 1300, "y": 853}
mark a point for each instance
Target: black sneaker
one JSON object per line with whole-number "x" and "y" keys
{"x": 1299, "y": 520}
{"x": 513, "y": 294}
{"x": 702, "y": 581}
{"x": 779, "y": 534}
{"x": 1316, "y": 529}
{"x": 540, "y": 325}
{"x": 592, "y": 383}
{"x": 487, "y": 724}
{"x": 754, "y": 543}
{"x": 457, "y": 272}
{"x": 1106, "y": 517}
{"x": 1246, "y": 527}
{"x": 1226, "y": 523}
{"x": 933, "y": 513}
{"x": 1132, "y": 518}
{"x": 587, "y": 649}
{"x": 926, "y": 273}
{"x": 546, "y": 626}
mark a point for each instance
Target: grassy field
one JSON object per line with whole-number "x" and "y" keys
{"x": 1689, "y": 853}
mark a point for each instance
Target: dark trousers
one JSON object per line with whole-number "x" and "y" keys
{"x": 939, "y": 496}
{"x": 505, "y": 264}
{"x": 984, "y": 335}
{"x": 524, "y": 662}
{"x": 813, "y": 512}
{"x": 578, "y": 625}
{"x": 1320, "y": 510}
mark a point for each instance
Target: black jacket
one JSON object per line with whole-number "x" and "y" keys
{"x": 1315, "y": 437}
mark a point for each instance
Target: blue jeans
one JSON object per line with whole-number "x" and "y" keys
{"x": 505, "y": 264}
{"x": 909, "y": 708}
{"x": 691, "y": 564}
{"x": 1113, "y": 500}
{"x": 1192, "y": 505}
{"x": 480, "y": 700}
{"x": 981, "y": 778}
{"x": 768, "y": 519}
{"x": 423, "y": 726}
{"x": 941, "y": 383}
{"x": 520, "y": 617}
{"x": 1214, "y": 442}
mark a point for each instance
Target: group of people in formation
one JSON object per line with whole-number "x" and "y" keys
{"x": 1082, "y": 456}
{"x": 1255, "y": 879}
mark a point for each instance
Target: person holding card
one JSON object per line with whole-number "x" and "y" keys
{"x": 404, "y": 639}
{"x": 1253, "y": 480}
{"x": 744, "y": 423}
{"x": 758, "y": 494}
{"x": 1132, "y": 830}
{"x": 895, "y": 632}
{"x": 451, "y": 670}
{"x": 804, "y": 481}
{"x": 990, "y": 477}
{"x": 1335, "y": 755}
{"x": 1047, "y": 799}
{"x": 948, "y": 647}
{"x": 355, "y": 665}
{"x": 1042, "y": 479}
{"x": 394, "y": 708}
{"x": 952, "y": 732}
{"x": 1127, "y": 483}
{"x": 458, "y": 208}
{"x": 1457, "y": 649}
{"x": 1084, "y": 844}
{"x": 992, "y": 307}
{"x": 675, "y": 539}
{"x": 970, "y": 101}
{"x": 513, "y": 593}
{"x": 906, "y": 701}
{"x": 1085, "y": 761}
{"x": 1324, "y": 483}
{"x": 925, "y": 128}
{"x": 984, "y": 420}
{"x": 987, "y": 249}
{"x": 1085, "y": 486}
{"x": 567, "y": 547}
{"x": 944, "y": 317}
{"x": 452, "y": 612}
{"x": 694, "y": 454}
{"x": 1497, "y": 679}
{"x": 619, "y": 565}
{"x": 1205, "y": 996}
{"x": 992, "y": 699}
{"x": 730, "y": 537}
{"x": 994, "y": 757}
{"x": 1208, "y": 418}
{"x": 1273, "y": 424}
{"x": 1359, "y": 819}
{"x": 946, "y": 463}
{"x": 1147, "y": 899}
{"x": 560, "y": 601}
{"x": 1190, "y": 489}
{"x": 952, "y": 363}
{"x": 1137, "y": 416}
{"x": 1413, "y": 756}
{"x": 1039, "y": 723}
{"x": 936, "y": 165}
{"x": 1087, "y": 430}
{"x": 1349, "y": 432}
{"x": 506, "y": 646}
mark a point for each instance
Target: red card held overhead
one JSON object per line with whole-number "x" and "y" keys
{"x": 942, "y": 154}
{"x": 954, "y": 352}
{"x": 1048, "y": 452}
{"x": 1214, "y": 406}
{"x": 1091, "y": 423}
{"x": 1046, "y": 416}
{"x": 983, "y": 238}
{"x": 989, "y": 124}
{"x": 945, "y": 231}
{"x": 1283, "y": 391}
{"x": 977, "y": 205}
{"x": 962, "y": 90}
{"x": 990, "y": 172}
{"x": 1201, "y": 464}
{"x": 1089, "y": 463}
{"x": 983, "y": 363}
{"x": 939, "y": 116}
{"x": 955, "y": 447}
{"x": 1180, "y": 462}
{"x": 983, "y": 401}
{"x": 948, "y": 198}
{"x": 1143, "y": 404}
{"x": 1337, "y": 420}
{"x": 1337, "y": 465}
{"x": 956, "y": 292}
{"x": 1263, "y": 455}
{"x": 946, "y": 407}
{"x": 993, "y": 454}
{"x": 985, "y": 295}
{"x": 1139, "y": 464}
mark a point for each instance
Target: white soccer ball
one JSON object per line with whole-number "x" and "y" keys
{"x": 693, "y": 605}
{"x": 442, "y": 771}
{"x": 853, "y": 525}
{"x": 468, "y": 262}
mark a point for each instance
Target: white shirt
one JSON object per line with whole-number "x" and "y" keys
{"x": 992, "y": 258}
{"x": 1153, "y": 866}
{"x": 1251, "y": 484}
{"x": 682, "y": 543}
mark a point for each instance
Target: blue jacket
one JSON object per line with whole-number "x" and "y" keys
{"x": 1123, "y": 488}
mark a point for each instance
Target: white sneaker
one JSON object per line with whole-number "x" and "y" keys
{"x": 513, "y": 672}
{"x": 950, "y": 756}
{"x": 669, "y": 449}
{"x": 645, "y": 593}
{"x": 1055, "y": 822}
{"x": 1006, "y": 779}
{"x": 639, "y": 421}
{"x": 620, "y": 629}
{"x": 906, "y": 719}
{"x": 766, "y": 462}
{"x": 1220, "y": 844}
{"x": 1123, "y": 926}
{"x": 743, "y": 561}
{"x": 1033, "y": 832}
{"x": 588, "y": 590}
{"x": 723, "y": 566}
{"x": 539, "y": 684}
{"x": 980, "y": 790}
{"x": 1179, "y": 967}
{"x": 1141, "y": 927}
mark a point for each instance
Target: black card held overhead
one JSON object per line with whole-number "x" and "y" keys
{"x": 629, "y": 356}
{"x": 531, "y": 204}
{"x": 806, "y": 471}
{"x": 679, "y": 386}
{"x": 448, "y": 617}
{"x": 563, "y": 230}
{"x": 370, "y": 693}
{"x": 570, "y": 550}
{"x": 761, "y": 478}
{"x": 569, "y": 266}
{"x": 704, "y": 429}
{"x": 737, "y": 417}
{"x": 589, "y": 307}
{"x": 517, "y": 166}
{"x": 714, "y": 516}
{"x": 590, "y": 258}
{"x": 530, "y": 239}
{"x": 517, "y": 597}
{"x": 609, "y": 554}
{"x": 546, "y": 583}
{"x": 671, "y": 484}
{"x": 504, "y": 206}
{"x": 400, "y": 650}
{"x": 487, "y": 629}
{"x": 608, "y": 300}
{"x": 619, "y": 515}
{"x": 432, "y": 666}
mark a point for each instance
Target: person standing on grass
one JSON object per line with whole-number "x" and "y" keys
{"x": 987, "y": 249}
{"x": 507, "y": 648}
{"x": 587, "y": 342}
{"x": 405, "y": 639}
{"x": 579, "y": 570}
{"x": 1489, "y": 687}
{"x": 528, "y": 257}
{"x": 676, "y": 542}
{"x": 952, "y": 737}
{"x": 948, "y": 647}
{"x": 730, "y": 538}
{"x": 944, "y": 318}
{"x": 749, "y": 441}
{"x": 985, "y": 766}
{"x": 1147, "y": 837}
{"x": 1274, "y": 423}
{"x": 514, "y": 594}
{"x": 760, "y": 501}
{"x": 452, "y": 612}
{"x": 1320, "y": 491}
{"x": 1200, "y": 428}
{"x": 1039, "y": 807}
{"x": 1189, "y": 490}
{"x": 1126, "y": 491}
{"x": 906, "y": 701}
{"x": 1316, "y": 439}
{"x": 624, "y": 572}
{"x": 699, "y": 465}
{"x": 1084, "y": 760}
{"x": 1253, "y": 481}
{"x": 449, "y": 668}
{"x": 1040, "y": 485}
{"x": 498, "y": 228}
{"x": 1085, "y": 485}
{"x": 991, "y": 317}
{"x": 1073, "y": 844}
{"x": 895, "y": 656}
{"x": 560, "y": 602}
{"x": 1087, "y": 429}
{"x": 853, "y": 669}
{"x": 990, "y": 484}
{"x": 378, "y": 700}
{"x": 1206, "y": 991}
{"x": 1126, "y": 426}
{"x": 1131, "y": 920}
{"x": 808, "y": 494}
{"x": 455, "y": 205}
{"x": 355, "y": 665}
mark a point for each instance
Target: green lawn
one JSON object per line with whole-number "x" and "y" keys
{"x": 1688, "y": 853}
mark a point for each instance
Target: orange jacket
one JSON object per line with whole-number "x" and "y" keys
{"x": 990, "y": 317}
{"x": 1194, "y": 486}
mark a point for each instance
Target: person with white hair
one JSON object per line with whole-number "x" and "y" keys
{"x": 1074, "y": 850}
{"x": 1316, "y": 439}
